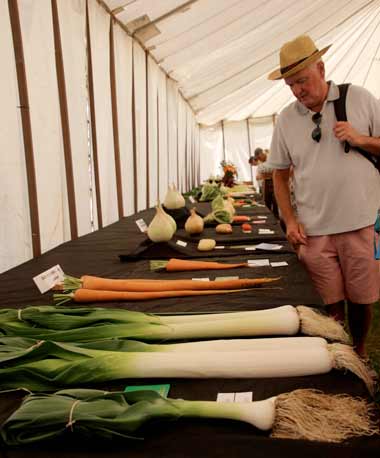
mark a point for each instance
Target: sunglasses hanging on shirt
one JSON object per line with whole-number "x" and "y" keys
{"x": 317, "y": 132}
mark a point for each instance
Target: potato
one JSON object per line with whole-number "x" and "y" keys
{"x": 224, "y": 229}
{"x": 206, "y": 244}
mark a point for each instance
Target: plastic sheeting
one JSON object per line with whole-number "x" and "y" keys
{"x": 15, "y": 233}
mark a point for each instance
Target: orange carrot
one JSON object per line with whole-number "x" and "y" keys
{"x": 130, "y": 285}
{"x": 179, "y": 265}
{"x": 90, "y": 295}
{"x": 241, "y": 219}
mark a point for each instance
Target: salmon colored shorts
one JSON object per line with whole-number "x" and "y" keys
{"x": 343, "y": 266}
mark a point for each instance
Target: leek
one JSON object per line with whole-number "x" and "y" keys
{"x": 301, "y": 414}
{"x": 84, "y": 324}
{"x": 13, "y": 345}
{"x": 47, "y": 365}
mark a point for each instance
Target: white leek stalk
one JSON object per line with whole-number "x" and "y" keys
{"x": 53, "y": 364}
{"x": 301, "y": 414}
{"x": 79, "y": 324}
{"x": 220, "y": 345}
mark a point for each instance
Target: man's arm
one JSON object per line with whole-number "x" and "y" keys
{"x": 294, "y": 230}
{"x": 344, "y": 131}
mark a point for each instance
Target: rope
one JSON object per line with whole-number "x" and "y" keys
{"x": 70, "y": 423}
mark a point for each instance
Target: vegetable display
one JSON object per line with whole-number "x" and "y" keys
{"x": 150, "y": 285}
{"x": 245, "y": 227}
{"x": 209, "y": 192}
{"x": 224, "y": 229}
{"x": 206, "y": 245}
{"x": 20, "y": 344}
{"x": 86, "y": 323}
{"x": 220, "y": 212}
{"x": 97, "y": 289}
{"x": 162, "y": 227}
{"x": 300, "y": 414}
{"x": 241, "y": 219}
{"x": 183, "y": 265}
{"x": 48, "y": 365}
{"x": 194, "y": 223}
{"x": 173, "y": 198}
{"x": 83, "y": 295}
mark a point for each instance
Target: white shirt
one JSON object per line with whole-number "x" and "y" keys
{"x": 335, "y": 192}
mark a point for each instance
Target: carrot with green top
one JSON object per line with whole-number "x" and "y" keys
{"x": 90, "y": 282}
{"x": 93, "y": 295}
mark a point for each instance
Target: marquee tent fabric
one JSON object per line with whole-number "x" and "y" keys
{"x": 221, "y": 52}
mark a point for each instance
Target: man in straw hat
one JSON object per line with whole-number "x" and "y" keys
{"x": 337, "y": 194}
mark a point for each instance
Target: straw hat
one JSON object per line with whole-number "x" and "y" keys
{"x": 296, "y": 55}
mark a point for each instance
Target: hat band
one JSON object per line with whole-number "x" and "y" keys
{"x": 284, "y": 70}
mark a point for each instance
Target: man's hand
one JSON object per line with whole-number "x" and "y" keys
{"x": 344, "y": 131}
{"x": 296, "y": 234}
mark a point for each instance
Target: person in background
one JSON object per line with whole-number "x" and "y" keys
{"x": 264, "y": 171}
{"x": 264, "y": 179}
{"x": 337, "y": 194}
{"x": 253, "y": 162}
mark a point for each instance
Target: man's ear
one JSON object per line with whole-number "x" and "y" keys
{"x": 321, "y": 68}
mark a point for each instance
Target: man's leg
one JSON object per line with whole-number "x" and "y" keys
{"x": 337, "y": 311}
{"x": 361, "y": 275}
{"x": 359, "y": 321}
{"x": 320, "y": 258}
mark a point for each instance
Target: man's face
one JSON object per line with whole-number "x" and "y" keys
{"x": 309, "y": 85}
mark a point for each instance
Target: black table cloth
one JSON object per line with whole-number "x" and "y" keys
{"x": 98, "y": 254}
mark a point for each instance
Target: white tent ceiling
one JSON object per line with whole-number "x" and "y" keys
{"x": 220, "y": 51}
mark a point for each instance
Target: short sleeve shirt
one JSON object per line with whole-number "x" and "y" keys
{"x": 264, "y": 168}
{"x": 335, "y": 191}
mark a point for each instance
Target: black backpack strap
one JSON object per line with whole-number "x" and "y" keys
{"x": 340, "y": 108}
{"x": 341, "y": 115}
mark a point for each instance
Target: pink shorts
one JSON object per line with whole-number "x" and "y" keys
{"x": 343, "y": 266}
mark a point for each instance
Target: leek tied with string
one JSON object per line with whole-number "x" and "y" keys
{"x": 301, "y": 414}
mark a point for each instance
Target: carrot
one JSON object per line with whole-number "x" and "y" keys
{"x": 241, "y": 219}
{"x": 179, "y": 265}
{"x": 108, "y": 284}
{"x": 112, "y": 284}
{"x": 90, "y": 295}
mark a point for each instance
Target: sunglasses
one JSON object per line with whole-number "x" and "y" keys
{"x": 317, "y": 132}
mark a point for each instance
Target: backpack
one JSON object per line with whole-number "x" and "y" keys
{"x": 341, "y": 115}
{"x": 376, "y": 239}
